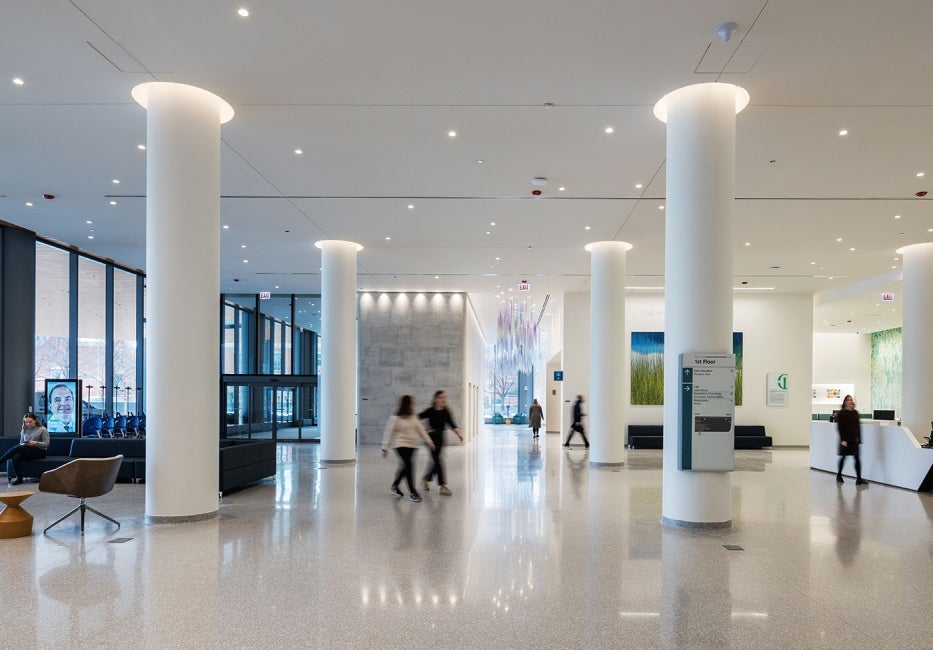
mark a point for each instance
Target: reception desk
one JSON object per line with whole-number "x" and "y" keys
{"x": 890, "y": 454}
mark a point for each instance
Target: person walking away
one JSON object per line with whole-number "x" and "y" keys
{"x": 576, "y": 425}
{"x": 849, "y": 426}
{"x": 438, "y": 417}
{"x": 535, "y": 416}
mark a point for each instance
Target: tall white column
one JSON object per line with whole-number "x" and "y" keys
{"x": 182, "y": 288}
{"x": 698, "y": 273}
{"x": 607, "y": 352}
{"x": 917, "y": 366}
{"x": 339, "y": 333}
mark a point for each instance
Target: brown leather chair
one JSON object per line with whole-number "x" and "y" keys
{"x": 82, "y": 478}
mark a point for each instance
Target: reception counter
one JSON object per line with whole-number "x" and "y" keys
{"x": 890, "y": 454}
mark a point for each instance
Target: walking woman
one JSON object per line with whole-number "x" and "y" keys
{"x": 403, "y": 432}
{"x": 850, "y": 438}
{"x": 535, "y": 415}
{"x": 438, "y": 417}
{"x": 33, "y": 441}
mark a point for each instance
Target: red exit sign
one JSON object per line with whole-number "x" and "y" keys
{"x": 524, "y": 286}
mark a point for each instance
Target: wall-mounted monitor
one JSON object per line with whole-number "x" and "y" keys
{"x": 882, "y": 414}
{"x": 63, "y": 405}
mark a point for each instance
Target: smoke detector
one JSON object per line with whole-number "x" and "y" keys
{"x": 539, "y": 181}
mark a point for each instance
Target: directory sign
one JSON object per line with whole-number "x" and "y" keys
{"x": 706, "y": 438}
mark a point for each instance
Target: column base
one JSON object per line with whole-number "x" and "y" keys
{"x": 182, "y": 519}
{"x": 595, "y": 464}
{"x": 348, "y": 461}
{"x": 696, "y": 525}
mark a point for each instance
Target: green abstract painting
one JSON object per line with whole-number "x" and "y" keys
{"x": 886, "y": 378}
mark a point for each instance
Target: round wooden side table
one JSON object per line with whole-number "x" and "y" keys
{"x": 14, "y": 520}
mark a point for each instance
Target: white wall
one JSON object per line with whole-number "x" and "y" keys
{"x": 575, "y": 354}
{"x": 843, "y": 359}
{"x": 777, "y": 335}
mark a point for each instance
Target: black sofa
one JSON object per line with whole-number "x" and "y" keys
{"x": 240, "y": 461}
{"x": 651, "y": 436}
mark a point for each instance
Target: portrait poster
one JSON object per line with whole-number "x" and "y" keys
{"x": 63, "y": 405}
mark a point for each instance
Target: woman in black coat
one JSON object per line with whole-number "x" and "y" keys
{"x": 850, "y": 438}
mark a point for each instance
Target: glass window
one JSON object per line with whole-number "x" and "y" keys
{"x": 92, "y": 297}
{"x": 124, "y": 341}
{"x": 236, "y": 338}
{"x": 52, "y": 303}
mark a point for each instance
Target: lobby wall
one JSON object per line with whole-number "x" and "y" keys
{"x": 410, "y": 343}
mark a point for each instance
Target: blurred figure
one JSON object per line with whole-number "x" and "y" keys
{"x": 535, "y": 417}
{"x": 576, "y": 425}
{"x": 402, "y": 433}
{"x": 849, "y": 426}
{"x": 438, "y": 417}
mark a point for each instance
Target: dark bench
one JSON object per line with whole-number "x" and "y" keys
{"x": 240, "y": 461}
{"x": 651, "y": 436}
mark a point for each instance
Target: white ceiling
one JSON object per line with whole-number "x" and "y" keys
{"x": 369, "y": 90}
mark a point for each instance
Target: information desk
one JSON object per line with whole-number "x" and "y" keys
{"x": 889, "y": 453}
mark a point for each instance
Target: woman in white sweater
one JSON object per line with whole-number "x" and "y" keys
{"x": 402, "y": 433}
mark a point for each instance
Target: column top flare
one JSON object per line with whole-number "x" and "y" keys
{"x": 741, "y": 97}
{"x": 337, "y": 243}
{"x": 624, "y": 245}
{"x": 143, "y": 92}
{"x": 918, "y": 246}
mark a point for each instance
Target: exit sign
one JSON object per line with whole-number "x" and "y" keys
{"x": 265, "y": 295}
{"x": 887, "y": 296}
{"x": 524, "y": 286}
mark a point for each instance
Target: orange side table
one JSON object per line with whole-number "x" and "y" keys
{"x": 14, "y": 521}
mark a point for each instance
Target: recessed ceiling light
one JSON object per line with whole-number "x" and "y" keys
{"x": 141, "y": 147}
{"x": 88, "y": 221}
{"x": 844, "y": 132}
{"x": 921, "y": 174}
{"x": 638, "y": 186}
{"x": 411, "y": 206}
{"x": 28, "y": 204}
{"x": 276, "y": 287}
{"x": 90, "y": 236}
{"x": 838, "y": 238}
{"x": 452, "y": 134}
{"x": 498, "y": 258}
{"x": 115, "y": 181}
{"x": 243, "y": 12}
{"x": 480, "y": 162}
{"x": 492, "y": 223}
{"x": 586, "y": 227}
{"x": 113, "y": 203}
{"x": 893, "y": 267}
{"x": 18, "y": 81}
{"x": 748, "y": 243}
{"x": 488, "y": 233}
{"x": 242, "y": 245}
{"x": 832, "y": 277}
{"x": 91, "y": 230}
{"x": 897, "y": 216}
{"x": 298, "y": 152}
{"x": 929, "y": 229}
{"x": 561, "y": 189}
{"x": 851, "y": 249}
{"x": 246, "y": 261}
{"x": 660, "y": 207}
{"x": 812, "y": 263}
{"x": 226, "y": 227}
{"x": 609, "y": 129}
{"x": 437, "y": 277}
{"x": 388, "y": 238}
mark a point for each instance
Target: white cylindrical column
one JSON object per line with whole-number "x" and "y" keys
{"x": 607, "y": 352}
{"x": 698, "y": 273}
{"x": 182, "y": 287}
{"x": 338, "y": 350}
{"x": 917, "y": 367}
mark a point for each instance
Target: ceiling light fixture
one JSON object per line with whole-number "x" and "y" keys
{"x": 18, "y": 81}
{"x": 28, "y": 204}
{"x": 844, "y": 132}
{"x": 88, "y": 221}
{"x": 897, "y": 216}
{"x": 921, "y": 174}
{"x": 561, "y": 189}
{"x": 748, "y": 243}
{"x": 90, "y": 236}
{"x": 243, "y": 12}
{"x": 492, "y": 223}
{"x": 609, "y": 129}
{"x": 242, "y": 245}
{"x": 298, "y": 152}
{"x": 246, "y": 261}
{"x": 141, "y": 147}
{"x": 660, "y": 207}
{"x": 226, "y": 227}
{"x": 113, "y": 203}
{"x": 638, "y": 186}
{"x": 115, "y": 181}
{"x": 388, "y": 238}
{"x": 480, "y": 161}
{"x": 838, "y": 238}
{"x": 411, "y": 206}
{"x": 452, "y": 134}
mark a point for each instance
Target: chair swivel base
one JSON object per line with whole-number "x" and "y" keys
{"x": 82, "y": 507}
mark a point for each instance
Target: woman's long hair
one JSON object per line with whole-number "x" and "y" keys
{"x": 35, "y": 418}
{"x": 405, "y": 407}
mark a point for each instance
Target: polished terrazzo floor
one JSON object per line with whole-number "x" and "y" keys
{"x": 534, "y": 550}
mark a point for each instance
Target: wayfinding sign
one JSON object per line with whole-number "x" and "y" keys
{"x": 706, "y": 438}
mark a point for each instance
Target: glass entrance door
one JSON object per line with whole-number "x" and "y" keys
{"x": 258, "y": 407}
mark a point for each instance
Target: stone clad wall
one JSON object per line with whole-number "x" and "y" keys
{"x": 410, "y": 343}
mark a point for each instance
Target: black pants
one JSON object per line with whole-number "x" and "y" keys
{"x": 405, "y": 470}
{"x": 858, "y": 466}
{"x": 577, "y": 427}
{"x": 20, "y": 453}
{"x": 437, "y": 468}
